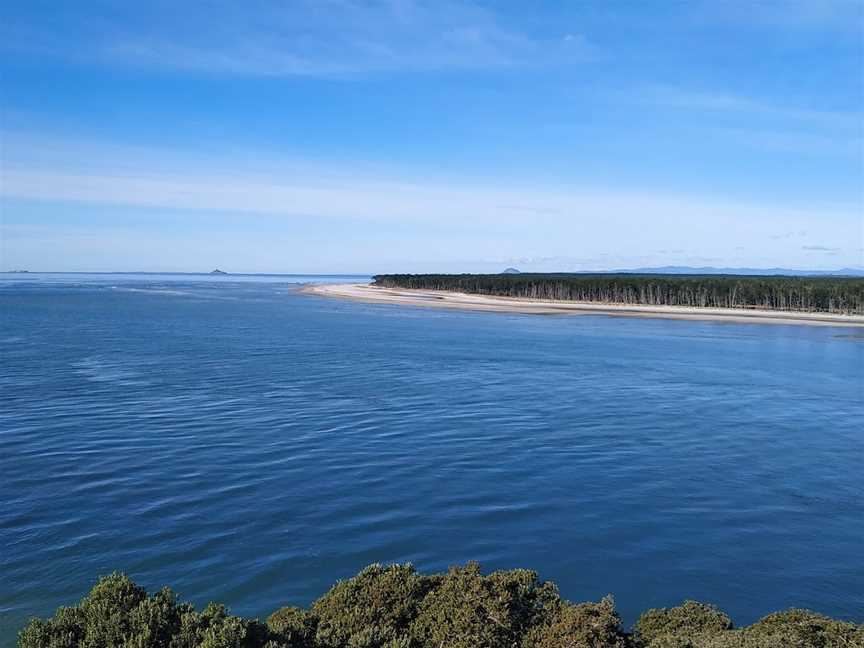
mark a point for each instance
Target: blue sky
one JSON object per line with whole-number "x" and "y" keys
{"x": 343, "y": 136}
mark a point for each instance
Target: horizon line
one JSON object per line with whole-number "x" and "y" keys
{"x": 641, "y": 269}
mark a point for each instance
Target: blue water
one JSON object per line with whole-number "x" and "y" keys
{"x": 246, "y": 443}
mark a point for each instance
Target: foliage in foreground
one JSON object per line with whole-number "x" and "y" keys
{"x": 395, "y": 607}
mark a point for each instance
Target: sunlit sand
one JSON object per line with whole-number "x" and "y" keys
{"x": 464, "y": 301}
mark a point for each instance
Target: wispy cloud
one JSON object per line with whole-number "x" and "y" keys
{"x": 389, "y": 199}
{"x": 585, "y": 216}
{"x": 820, "y": 248}
{"x": 760, "y": 125}
{"x": 729, "y": 103}
{"x": 807, "y": 15}
{"x": 330, "y": 38}
{"x": 848, "y": 145}
{"x": 788, "y": 235}
{"x": 437, "y": 219}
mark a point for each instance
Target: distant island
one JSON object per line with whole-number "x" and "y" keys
{"x": 217, "y": 271}
{"x": 511, "y": 271}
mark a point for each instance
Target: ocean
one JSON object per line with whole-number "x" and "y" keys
{"x": 246, "y": 443}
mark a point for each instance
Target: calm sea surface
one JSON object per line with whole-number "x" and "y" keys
{"x": 246, "y": 443}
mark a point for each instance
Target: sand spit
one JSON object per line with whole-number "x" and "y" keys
{"x": 464, "y": 301}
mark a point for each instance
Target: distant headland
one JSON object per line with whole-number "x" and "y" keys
{"x": 836, "y": 301}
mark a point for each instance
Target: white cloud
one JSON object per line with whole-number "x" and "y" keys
{"x": 141, "y": 176}
{"x": 404, "y": 201}
{"x": 820, "y": 248}
{"x": 720, "y": 102}
{"x": 847, "y": 146}
{"x": 434, "y": 221}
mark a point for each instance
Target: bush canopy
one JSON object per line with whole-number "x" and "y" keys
{"x": 394, "y": 606}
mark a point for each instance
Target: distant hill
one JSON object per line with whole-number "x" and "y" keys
{"x": 710, "y": 270}
{"x": 511, "y": 271}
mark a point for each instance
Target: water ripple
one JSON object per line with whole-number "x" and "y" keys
{"x": 252, "y": 445}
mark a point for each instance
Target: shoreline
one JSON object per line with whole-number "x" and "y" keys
{"x": 488, "y": 303}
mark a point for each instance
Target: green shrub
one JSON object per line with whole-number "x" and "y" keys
{"x": 805, "y": 629}
{"x": 395, "y": 607}
{"x": 65, "y": 630}
{"x": 586, "y": 625}
{"x": 117, "y": 613}
{"x": 214, "y": 627}
{"x": 469, "y": 610}
{"x": 680, "y": 626}
{"x": 293, "y": 627}
{"x": 694, "y": 625}
{"x": 372, "y": 609}
{"x": 108, "y": 611}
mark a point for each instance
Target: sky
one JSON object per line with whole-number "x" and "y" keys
{"x": 338, "y": 136}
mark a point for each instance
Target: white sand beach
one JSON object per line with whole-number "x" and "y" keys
{"x": 464, "y": 301}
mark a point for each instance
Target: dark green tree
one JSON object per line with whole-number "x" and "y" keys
{"x": 842, "y": 295}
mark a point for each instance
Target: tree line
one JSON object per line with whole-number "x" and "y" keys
{"x": 842, "y": 295}
{"x": 394, "y": 606}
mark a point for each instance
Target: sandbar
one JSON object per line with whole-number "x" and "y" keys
{"x": 471, "y": 302}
